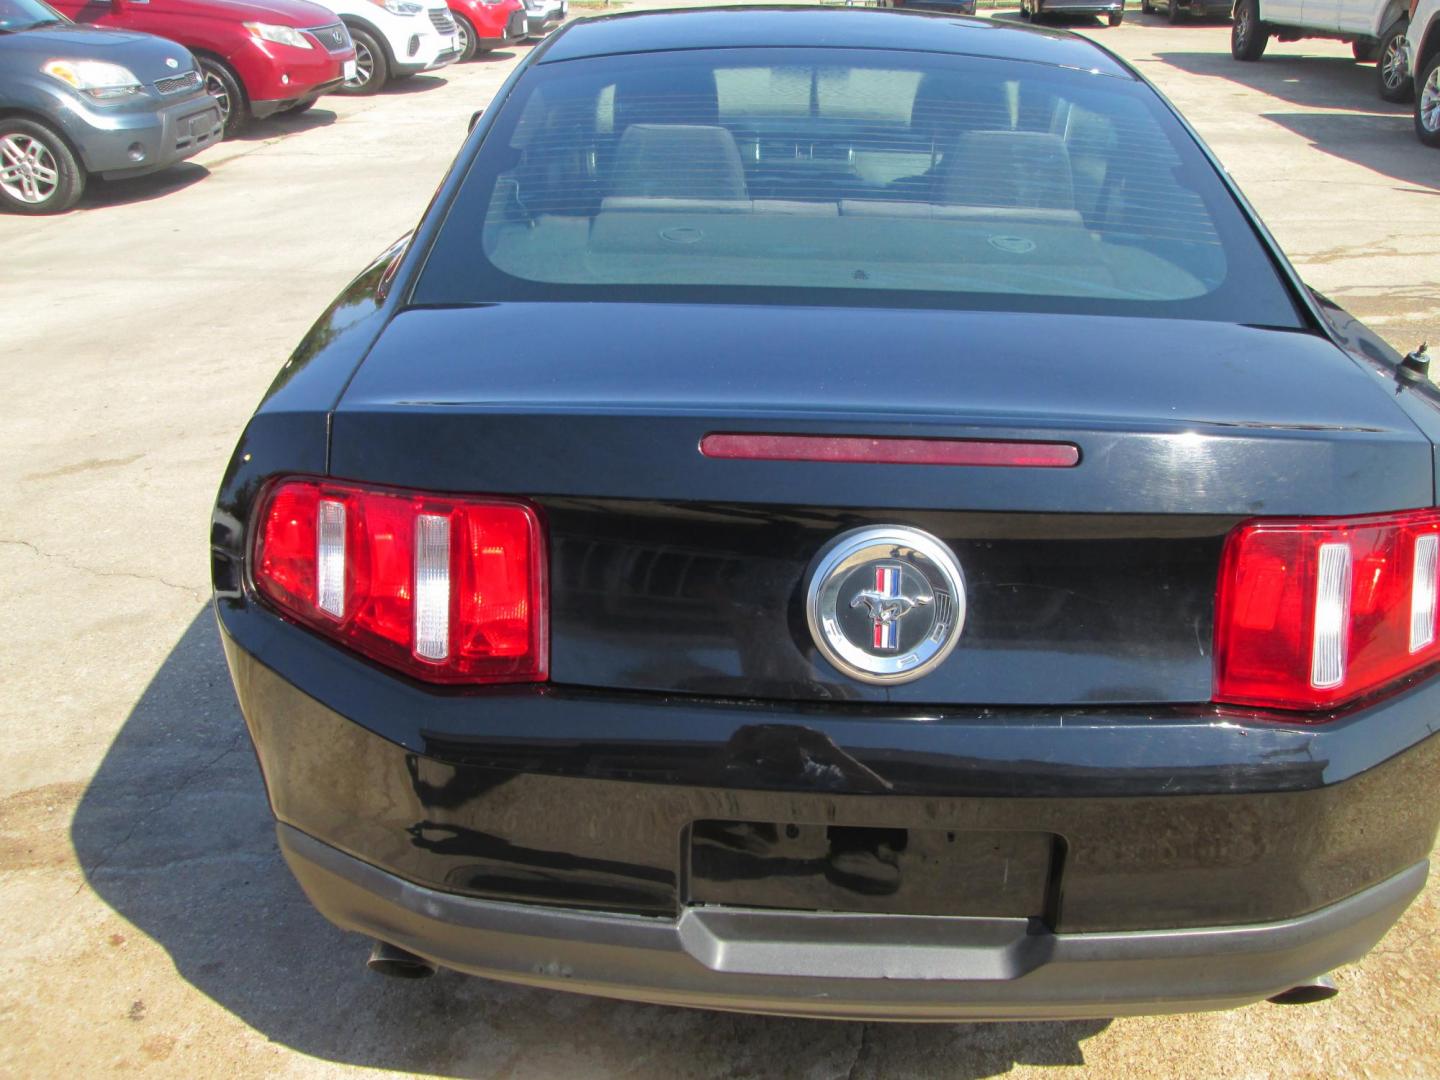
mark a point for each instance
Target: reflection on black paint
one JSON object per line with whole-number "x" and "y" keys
{"x": 488, "y": 863}
{"x": 766, "y": 755}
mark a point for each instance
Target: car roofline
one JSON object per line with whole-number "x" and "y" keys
{"x": 1123, "y": 76}
{"x": 586, "y": 26}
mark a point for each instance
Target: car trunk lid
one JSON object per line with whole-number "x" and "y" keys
{"x": 675, "y": 572}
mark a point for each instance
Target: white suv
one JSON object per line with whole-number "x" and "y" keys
{"x": 1421, "y": 56}
{"x": 542, "y": 16}
{"x": 1374, "y": 28}
{"x": 395, "y": 39}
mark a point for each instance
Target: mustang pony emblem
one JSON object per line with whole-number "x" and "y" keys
{"x": 887, "y": 605}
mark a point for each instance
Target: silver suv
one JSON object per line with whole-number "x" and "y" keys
{"x": 1420, "y": 54}
{"x": 1375, "y": 30}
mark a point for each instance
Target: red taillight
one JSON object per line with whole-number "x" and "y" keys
{"x": 444, "y": 588}
{"x": 1312, "y": 613}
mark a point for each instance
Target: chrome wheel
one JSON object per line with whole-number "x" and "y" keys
{"x": 462, "y": 36}
{"x": 1428, "y": 108}
{"x": 1392, "y": 64}
{"x": 28, "y": 170}
{"x": 364, "y": 66}
{"x": 217, "y": 89}
{"x": 1242, "y": 26}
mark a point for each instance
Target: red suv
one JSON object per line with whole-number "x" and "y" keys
{"x": 488, "y": 24}
{"x": 259, "y": 57}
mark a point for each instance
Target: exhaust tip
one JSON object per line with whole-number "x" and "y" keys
{"x": 1308, "y": 993}
{"x": 391, "y": 960}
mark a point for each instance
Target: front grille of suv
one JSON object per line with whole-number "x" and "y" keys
{"x": 177, "y": 83}
{"x": 441, "y": 18}
{"x": 335, "y": 38}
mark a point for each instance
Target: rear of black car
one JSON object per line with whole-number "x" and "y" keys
{"x": 514, "y": 565}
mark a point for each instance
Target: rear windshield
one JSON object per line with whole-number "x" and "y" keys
{"x": 837, "y": 176}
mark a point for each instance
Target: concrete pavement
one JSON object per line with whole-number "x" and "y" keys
{"x": 146, "y": 921}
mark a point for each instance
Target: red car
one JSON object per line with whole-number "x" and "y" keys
{"x": 259, "y": 57}
{"x": 488, "y": 24}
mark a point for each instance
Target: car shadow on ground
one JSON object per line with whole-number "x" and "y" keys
{"x": 106, "y": 193}
{"x": 1061, "y": 21}
{"x": 496, "y": 56}
{"x": 1052, "y": 21}
{"x": 1161, "y": 18}
{"x": 414, "y": 84}
{"x": 1364, "y": 129}
{"x": 173, "y": 832}
{"x": 280, "y": 124}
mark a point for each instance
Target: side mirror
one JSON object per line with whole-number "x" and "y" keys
{"x": 475, "y": 119}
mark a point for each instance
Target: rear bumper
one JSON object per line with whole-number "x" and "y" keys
{"x": 880, "y": 967}
{"x": 1153, "y": 860}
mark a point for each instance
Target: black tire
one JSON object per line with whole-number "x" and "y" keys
{"x": 1174, "y": 12}
{"x": 1146, "y": 7}
{"x": 38, "y": 173}
{"x": 1427, "y": 103}
{"x": 1365, "y": 51}
{"x": 1115, "y": 18}
{"x": 372, "y": 68}
{"x": 466, "y": 35}
{"x": 1248, "y": 35}
{"x": 1025, "y": 10}
{"x": 225, "y": 88}
{"x": 1393, "y": 83}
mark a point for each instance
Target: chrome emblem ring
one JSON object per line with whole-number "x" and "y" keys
{"x": 886, "y": 603}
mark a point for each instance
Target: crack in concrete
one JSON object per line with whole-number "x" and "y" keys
{"x": 1404, "y": 950}
{"x": 91, "y": 871}
{"x": 72, "y": 565}
{"x": 860, "y": 1045}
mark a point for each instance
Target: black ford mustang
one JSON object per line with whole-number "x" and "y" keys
{"x": 843, "y": 513}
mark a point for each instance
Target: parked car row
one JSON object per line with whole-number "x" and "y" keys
{"x": 1402, "y": 37}
{"x": 120, "y": 88}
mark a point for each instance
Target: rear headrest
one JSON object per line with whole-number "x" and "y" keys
{"x": 1009, "y": 168}
{"x": 682, "y": 161}
{"x": 667, "y": 96}
{"x": 946, "y": 105}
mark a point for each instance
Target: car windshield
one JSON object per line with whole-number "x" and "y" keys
{"x": 27, "y": 15}
{"x": 855, "y": 177}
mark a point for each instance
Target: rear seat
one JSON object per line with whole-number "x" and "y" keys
{"x": 659, "y": 203}
{"x": 684, "y": 161}
{"x": 995, "y": 177}
{"x": 1029, "y": 169}
{"x": 951, "y": 212}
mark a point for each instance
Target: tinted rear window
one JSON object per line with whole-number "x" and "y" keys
{"x": 835, "y": 176}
